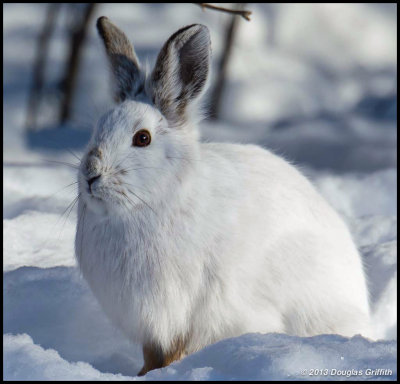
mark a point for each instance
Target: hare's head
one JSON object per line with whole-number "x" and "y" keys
{"x": 142, "y": 149}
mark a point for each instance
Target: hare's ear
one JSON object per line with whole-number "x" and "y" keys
{"x": 181, "y": 72}
{"x": 124, "y": 62}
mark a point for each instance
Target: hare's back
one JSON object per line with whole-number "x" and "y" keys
{"x": 273, "y": 201}
{"x": 262, "y": 175}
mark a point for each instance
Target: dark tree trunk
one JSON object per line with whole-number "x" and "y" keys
{"x": 77, "y": 38}
{"x": 39, "y": 65}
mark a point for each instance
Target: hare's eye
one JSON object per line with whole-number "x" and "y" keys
{"x": 141, "y": 138}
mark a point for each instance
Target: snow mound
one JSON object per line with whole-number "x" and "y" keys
{"x": 283, "y": 357}
{"x": 24, "y": 360}
{"x": 248, "y": 357}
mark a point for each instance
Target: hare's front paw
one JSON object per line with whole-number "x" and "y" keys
{"x": 154, "y": 357}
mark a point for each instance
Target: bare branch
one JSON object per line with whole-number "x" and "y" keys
{"x": 245, "y": 14}
{"x": 220, "y": 79}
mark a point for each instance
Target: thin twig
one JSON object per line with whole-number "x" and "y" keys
{"x": 245, "y": 14}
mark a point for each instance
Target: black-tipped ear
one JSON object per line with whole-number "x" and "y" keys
{"x": 124, "y": 62}
{"x": 181, "y": 71}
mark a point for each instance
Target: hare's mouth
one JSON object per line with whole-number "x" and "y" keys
{"x": 92, "y": 196}
{"x": 95, "y": 198}
{"x": 92, "y": 193}
{"x": 96, "y": 203}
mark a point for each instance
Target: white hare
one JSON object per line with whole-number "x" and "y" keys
{"x": 185, "y": 243}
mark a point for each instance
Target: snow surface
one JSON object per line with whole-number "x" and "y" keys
{"x": 316, "y": 83}
{"x": 249, "y": 357}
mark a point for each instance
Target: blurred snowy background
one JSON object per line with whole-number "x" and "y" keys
{"x": 315, "y": 83}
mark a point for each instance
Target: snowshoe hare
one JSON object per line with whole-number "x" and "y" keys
{"x": 185, "y": 243}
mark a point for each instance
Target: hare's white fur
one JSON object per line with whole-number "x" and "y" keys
{"x": 207, "y": 241}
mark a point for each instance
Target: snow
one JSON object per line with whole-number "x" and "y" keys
{"x": 249, "y": 357}
{"x": 315, "y": 83}
{"x": 40, "y": 364}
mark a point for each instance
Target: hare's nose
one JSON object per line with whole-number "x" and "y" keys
{"x": 92, "y": 180}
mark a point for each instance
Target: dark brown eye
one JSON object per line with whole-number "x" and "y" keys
{"x": 142, "y": 138}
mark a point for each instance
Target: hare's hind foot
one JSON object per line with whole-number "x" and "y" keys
{"x": 154, "y": 357}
